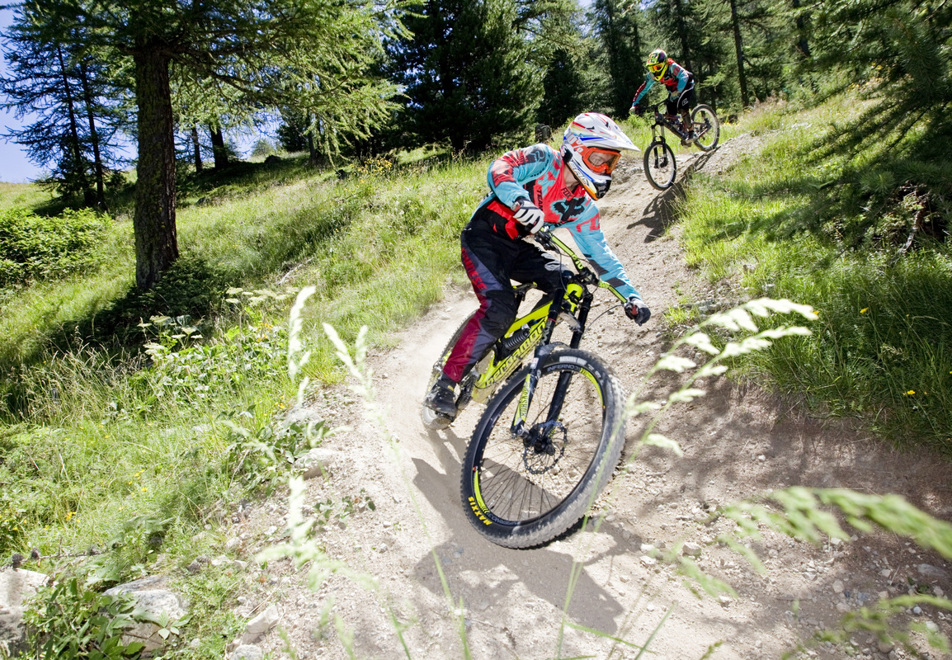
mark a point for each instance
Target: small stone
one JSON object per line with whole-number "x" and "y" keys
{"x": 260, "y": 625}
{"x": 838, "y": 586}
{"x": 247, "y": 652}
{"x": 932, "y": 572}
{"x": 691, "y": 549}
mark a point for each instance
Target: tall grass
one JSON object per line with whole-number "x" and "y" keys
{"x": 130, "y": 448}
{"x": 803, "y": 221}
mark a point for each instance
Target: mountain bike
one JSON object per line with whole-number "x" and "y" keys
{"x": 660, "y": 165}
{"x": 552, "y": 432}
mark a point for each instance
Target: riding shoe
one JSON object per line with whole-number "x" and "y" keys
{"x": 442, "y": 397}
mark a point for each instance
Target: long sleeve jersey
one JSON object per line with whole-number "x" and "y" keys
{"x": 676, "y": 79}
{"x": 536, "y": 173}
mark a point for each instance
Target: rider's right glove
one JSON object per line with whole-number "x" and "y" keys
{"x": 636, "y": 109}
{"x": 529, "y": 216}
{"x": 636, "y": 310}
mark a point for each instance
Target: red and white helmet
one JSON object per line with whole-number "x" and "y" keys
{"x": 591, "y": 149}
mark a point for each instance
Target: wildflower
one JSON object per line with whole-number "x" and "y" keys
{"x": 864, "y": 310}
{"x": 69, "y": 514}
{"x": 910, "y": 392}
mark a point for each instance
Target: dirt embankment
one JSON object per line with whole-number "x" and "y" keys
{"x": 737, "y": 441}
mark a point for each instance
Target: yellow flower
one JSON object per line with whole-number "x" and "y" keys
{"x": 910, "y": 392}
{"x": 864, "y": 310}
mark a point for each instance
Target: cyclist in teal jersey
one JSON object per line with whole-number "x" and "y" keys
{"x": 530, "y": 188}
{"x": 679, "y": 83}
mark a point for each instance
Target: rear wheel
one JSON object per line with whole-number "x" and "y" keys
{"x": 660, "y": 166}
{"x": 430, "y": 418}
{"x": 706, "y": 127}
{"x": 520, "y": 491}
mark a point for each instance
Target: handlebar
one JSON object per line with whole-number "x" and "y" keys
{"x": 549, "y": 241}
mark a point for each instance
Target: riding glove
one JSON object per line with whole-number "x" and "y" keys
{"x": 529, "y": 215}
{"x": 637, "y": 310}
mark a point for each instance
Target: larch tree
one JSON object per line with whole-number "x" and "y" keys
{"x": 76, "y": 106}
{"x": 312, "y": 53}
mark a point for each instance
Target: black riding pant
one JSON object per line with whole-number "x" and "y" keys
{"x": 492, "y": 260}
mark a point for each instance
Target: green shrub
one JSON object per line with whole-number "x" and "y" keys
{"x": 38, "y": 247}
{"x": 191, "y": 287}
{"x": 72, "y": 621}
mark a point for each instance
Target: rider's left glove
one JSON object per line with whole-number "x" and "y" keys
{"x": 637, "y": 310}
{"x": 529, "y": 215}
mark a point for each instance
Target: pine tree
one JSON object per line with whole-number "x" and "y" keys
{"x": 465, "y": 73}
{"x": 77, "y": 116}
{"x": 616, "y": 26}
{"x": 900, "y": 51}
{"x": 309, "y": 53}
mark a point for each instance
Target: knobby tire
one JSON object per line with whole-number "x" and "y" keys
{"x": 704, "y": 119}
{"x": 431, "y": 419}
{"x": 521, "y": 497}
{"x": 660, "y": 165}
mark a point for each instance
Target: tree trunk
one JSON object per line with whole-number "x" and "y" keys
{"x": 75, "y": 149}
{"x": 154, "y": 219}
{"x": 739, "y": 49}
{"x": 803, "y": 46}
{"x": 218, "y": 147}
{"x": 196, "y": 149}
{"x": 94, "y": 139}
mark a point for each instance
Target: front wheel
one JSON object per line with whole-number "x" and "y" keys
{"x": 706, "y": 127}
{"x": 521, "y": 491}
{"x": 660, "y": 166}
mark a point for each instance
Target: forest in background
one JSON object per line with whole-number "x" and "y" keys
{"x": 358, "y": 79}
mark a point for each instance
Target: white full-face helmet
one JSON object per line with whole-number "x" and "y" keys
{"x": 591, "y": 149}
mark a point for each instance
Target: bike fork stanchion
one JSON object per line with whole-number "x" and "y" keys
{"x": 525, "y": 400}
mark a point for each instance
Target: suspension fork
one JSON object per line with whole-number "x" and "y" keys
{"x": 532, "y": 375}
{"x": 544, "y": 348}
{"x": 558, "y": 398}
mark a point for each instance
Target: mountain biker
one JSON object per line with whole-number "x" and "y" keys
{"x": 680, "y": 84}
{"x": 530, "y": 188}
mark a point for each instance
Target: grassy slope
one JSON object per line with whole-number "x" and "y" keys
{"x": 806, "y": 222}
{"x": 96, "y": 449}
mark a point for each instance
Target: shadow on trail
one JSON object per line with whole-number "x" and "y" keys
{"x": 543, "y": 571}
{"x": 660, "y": 213}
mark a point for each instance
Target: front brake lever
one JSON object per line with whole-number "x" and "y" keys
{"x": 543, "y": 238}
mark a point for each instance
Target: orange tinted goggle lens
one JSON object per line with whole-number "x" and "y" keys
{"x": 655, "y": 68}
{"x": 602, "y": 161}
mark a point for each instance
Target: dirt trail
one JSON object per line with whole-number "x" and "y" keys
{"x": 737, "y": 442}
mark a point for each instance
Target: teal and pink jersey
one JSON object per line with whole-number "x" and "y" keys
{"x": 536, "y": 173}
{"x": 676, "y": 78}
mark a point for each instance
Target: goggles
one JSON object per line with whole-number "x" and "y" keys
{"x": 601, "y": 161}
{"x": 657, "y": 69}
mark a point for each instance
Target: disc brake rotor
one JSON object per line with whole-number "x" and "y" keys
{"x": 544, "y": 447}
